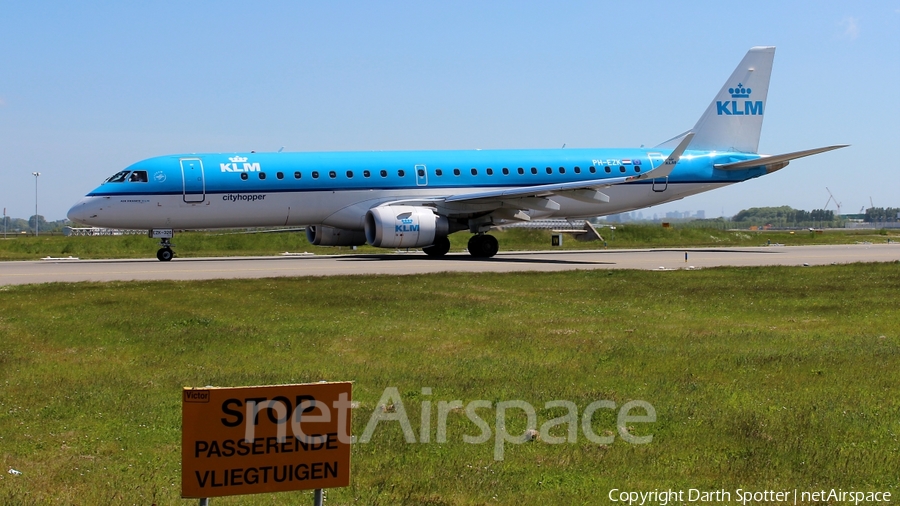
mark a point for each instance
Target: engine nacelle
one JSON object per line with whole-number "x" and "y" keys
{"x": 321, "y": 235}
{"x": 404, "y": 227}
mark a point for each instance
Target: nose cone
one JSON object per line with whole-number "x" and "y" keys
{"x": 78, "y": 213}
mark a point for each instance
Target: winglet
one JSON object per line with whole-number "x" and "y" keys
{"x": 666, "y": 168}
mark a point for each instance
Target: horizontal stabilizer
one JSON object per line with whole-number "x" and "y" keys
{"x": 770, "y": 161}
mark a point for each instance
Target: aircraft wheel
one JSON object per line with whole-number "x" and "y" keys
{"x": 439, "y": 248}
{"x": 164, "y": 254}
{"x": 483, "y": 246}
{"x": 491, "y": 246}
{"x": 475, "y": 245}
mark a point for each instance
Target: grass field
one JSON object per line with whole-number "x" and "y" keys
{"x": 761, "y": 378}
{"x": 206, "y": 244}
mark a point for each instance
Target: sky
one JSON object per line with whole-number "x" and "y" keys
{"x": 88, "y": 88}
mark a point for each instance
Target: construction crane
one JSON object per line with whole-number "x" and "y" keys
{"x": 830, "y": 199}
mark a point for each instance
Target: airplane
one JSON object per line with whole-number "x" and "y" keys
{"x": 416, "y": 199}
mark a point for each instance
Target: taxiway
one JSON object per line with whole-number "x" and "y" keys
{"x": 47, "y": 271}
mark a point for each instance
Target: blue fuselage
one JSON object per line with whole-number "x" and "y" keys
{"x": 265, "y": 189}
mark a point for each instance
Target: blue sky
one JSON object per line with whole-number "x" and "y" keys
{"x": 88, "y": 88}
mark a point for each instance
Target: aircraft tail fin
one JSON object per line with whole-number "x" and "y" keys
{"x": 733, "y": 120}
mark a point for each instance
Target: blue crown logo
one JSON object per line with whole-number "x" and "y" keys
{"x": 739, "y": 91}
{"x": 406, "y": 221}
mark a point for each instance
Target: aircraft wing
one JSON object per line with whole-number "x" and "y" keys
{"x": 577, "y": 189}
{"x": 775, "y": 162}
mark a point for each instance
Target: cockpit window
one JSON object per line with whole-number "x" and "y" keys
{"x": 138, "y": 176}
{"x": 118, "y": 177}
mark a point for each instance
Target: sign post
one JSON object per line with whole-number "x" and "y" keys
{"x": 251, "y": 440}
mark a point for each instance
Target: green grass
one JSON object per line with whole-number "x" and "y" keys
{"x": 762, "y": 378}
{"x": 655, "y": 236}
{"x": 205, "y": 244}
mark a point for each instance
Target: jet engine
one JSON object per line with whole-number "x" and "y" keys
{"x": 404, "y": 227}
{"x": 321, "y": 235}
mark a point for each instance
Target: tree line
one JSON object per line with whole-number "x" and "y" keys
{"x": 882, "y": 214}
{"x": 19, "y": 225}
{"x": 783, "y": 215}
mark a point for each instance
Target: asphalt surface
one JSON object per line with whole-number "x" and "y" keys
{"x": 56, "y": 270}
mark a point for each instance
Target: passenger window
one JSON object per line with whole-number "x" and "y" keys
{"x": 621, "y": 168}
{"x": 549, "y": 170}
{"x": 521, "y": 170}
{"x": 332, "y": 174}
{"x": 474, "y": 172}
{"x": 383, "y": 173}
{"x": 637, "y": 169}
{"x": 578, "y": 170}
{"x": 244, "y": 176}
{"x": 349, "y": 174}
{"x": 366, "y": 173}
{"x": 421, "y": 172}
{"x": 438, "y": 172}
{"x": 297, "y": 175}
{"x": 118, "y": 177}
{"x": 534, "y": 170}
{"x": 593, "y": 169}
{"x": 490, "y": 171}
{"x": 401, "y": 172}
{"x": 455, "y": 172}
{"x": 505, "y": 171}
{"x": 315, "y": 174}
{"x": 262, "y": 175}
{"x": 279, "y": 175}
{"x": 606, "y": 168}
{"x": 562, "y": 170}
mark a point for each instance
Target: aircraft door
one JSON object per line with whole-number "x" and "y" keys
{"x": 193, "y": 181}
{"x": 659, "y": 185}
{"x": 421, "y": 175}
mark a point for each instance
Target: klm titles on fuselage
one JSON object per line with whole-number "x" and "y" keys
{"x": 239, "y": 164}
{"x": 739, "y": 108}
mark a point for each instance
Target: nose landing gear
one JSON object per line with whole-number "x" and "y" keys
{"x": 165, "y": 253}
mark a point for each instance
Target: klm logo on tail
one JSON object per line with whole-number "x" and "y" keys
{"x": 739, "y": 107}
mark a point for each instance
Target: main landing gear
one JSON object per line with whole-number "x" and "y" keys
{"x": 483, "y": 246}
{"x": 439, "y": 248}
{"x": 480, "y": 246}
